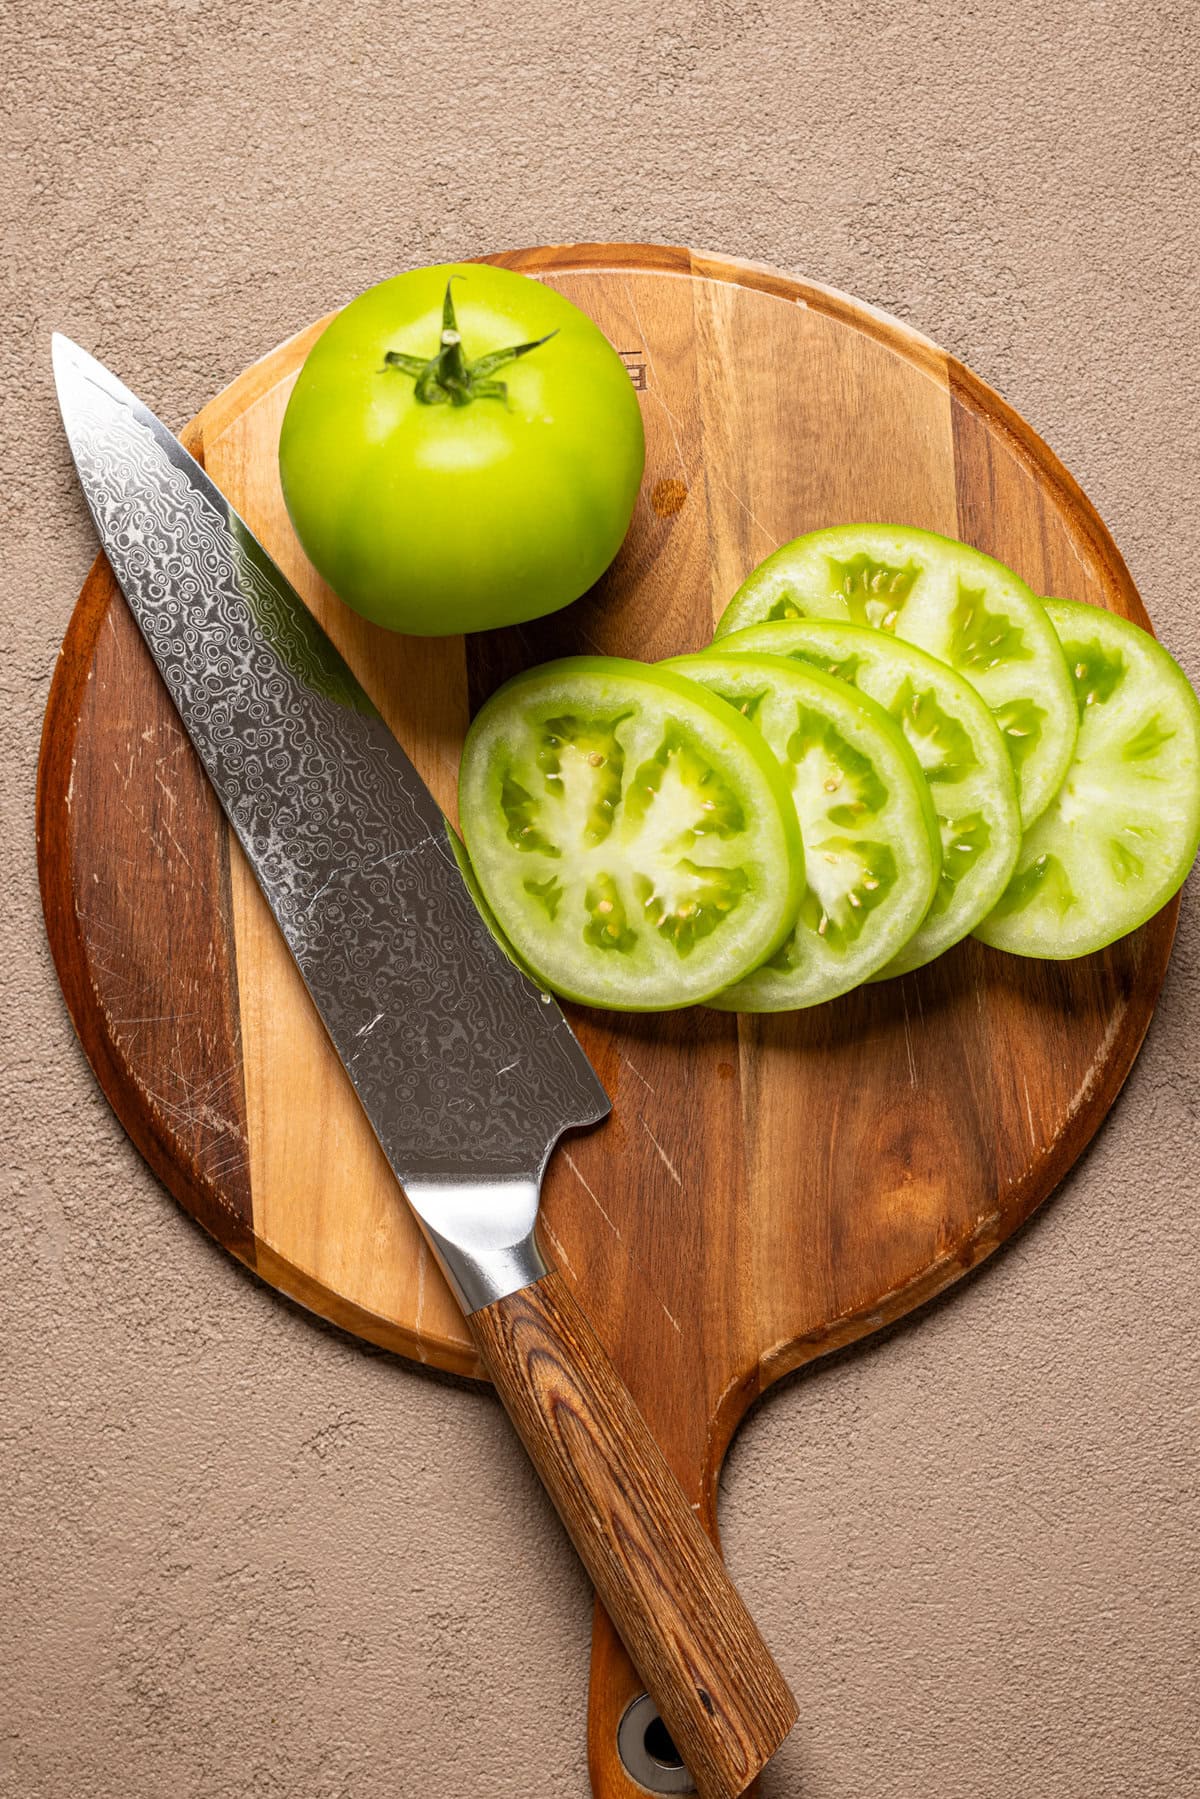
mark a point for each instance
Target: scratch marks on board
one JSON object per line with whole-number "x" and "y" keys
{"x": 1099, "y": 1062}
{"x": 573, "y": 1165}
{"x": 655, "y": 389}
{"x": 752, "y": 516}
{"x": 641, "y": 1077}
{"x": 912, "y": 1063}
{"x": 559, "y": 1251}
{"x": 663, "y": 1157}
{"x": 199, "y": 1106}
{"x": 1029, "y": 1112}
{"x": 422, "y": 1273}
{"x": 179, "y": 849}
{"x": 645, "y": 1273}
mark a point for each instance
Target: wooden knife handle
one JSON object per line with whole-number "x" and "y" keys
{"x": 662, "y": 1582}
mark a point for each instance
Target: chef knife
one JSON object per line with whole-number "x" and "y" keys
{"x": 467, "y": 1073}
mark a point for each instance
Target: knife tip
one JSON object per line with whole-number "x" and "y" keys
{"x": 65, "y": 357}
{"x": 76, "y": 368}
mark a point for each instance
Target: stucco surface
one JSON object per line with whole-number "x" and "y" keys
{"x": 241, "y": 1554}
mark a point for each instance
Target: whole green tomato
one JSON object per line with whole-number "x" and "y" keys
{"x": 462, "y": 449}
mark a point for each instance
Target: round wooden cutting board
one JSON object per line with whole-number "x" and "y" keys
{"x": 766, "y": 1189}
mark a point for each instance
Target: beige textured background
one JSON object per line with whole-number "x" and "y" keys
{"x": 243, "y": 1556}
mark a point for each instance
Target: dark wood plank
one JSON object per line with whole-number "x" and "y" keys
{"x": 134, "y": 866}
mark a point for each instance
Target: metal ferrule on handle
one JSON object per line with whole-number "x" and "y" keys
{"x": 482, "y": 1233}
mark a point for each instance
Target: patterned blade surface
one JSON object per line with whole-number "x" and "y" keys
{"x": 465, "y": 1070}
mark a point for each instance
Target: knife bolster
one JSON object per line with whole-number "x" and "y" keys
{"x": 482, "y": 1233}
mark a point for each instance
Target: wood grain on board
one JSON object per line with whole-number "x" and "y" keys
{"x": 766, "y": 1189}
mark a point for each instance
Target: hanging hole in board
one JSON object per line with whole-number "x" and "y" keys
{"x": 647, "y": 1753}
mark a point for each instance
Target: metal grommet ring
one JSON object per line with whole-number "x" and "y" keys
{"x": 647, "y": 1753}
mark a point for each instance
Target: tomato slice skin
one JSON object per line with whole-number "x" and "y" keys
{"x": 954, "y": 737}
{"x": 961, "y": 606}
{"x": 1122, "y": 833}
{"x": 636, "y": 844}
{"x": 871, "y": 840}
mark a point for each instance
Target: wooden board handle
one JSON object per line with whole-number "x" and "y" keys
{"x": 720, "y": 1694}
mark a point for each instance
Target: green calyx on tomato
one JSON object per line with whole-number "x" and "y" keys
{"x": 465, "y": 462}
{"x": 447, "y": 376}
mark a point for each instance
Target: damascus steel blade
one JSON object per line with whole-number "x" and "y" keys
{"x": 467, "y": 1073}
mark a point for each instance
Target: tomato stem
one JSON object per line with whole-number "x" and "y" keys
{"x": 449, "y": 377}
{"x": 446, "y": 376}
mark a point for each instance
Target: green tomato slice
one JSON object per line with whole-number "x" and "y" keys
{"x": 1123, "y": 830}
{"x": 871, "y": 843}
{"x": 953, "y": 601}
{"x": 958, "y": 745}
{"x": 635, "y": 843}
